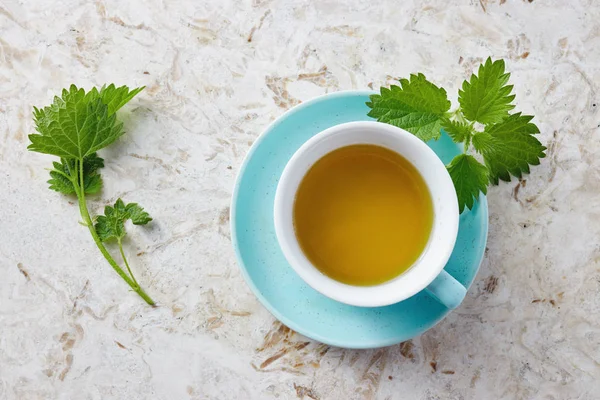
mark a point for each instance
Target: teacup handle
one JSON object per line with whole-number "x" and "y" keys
{"x": 447, "y": 290}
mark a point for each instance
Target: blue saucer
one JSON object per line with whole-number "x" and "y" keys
{"x": 274, "y": 282}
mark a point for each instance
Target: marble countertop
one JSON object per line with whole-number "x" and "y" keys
{"x": 216, "y": 74}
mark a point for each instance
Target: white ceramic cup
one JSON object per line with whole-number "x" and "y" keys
{"x": 427, "y": 272}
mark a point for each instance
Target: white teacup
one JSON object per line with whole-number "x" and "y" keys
{"x": 427, "y": 272}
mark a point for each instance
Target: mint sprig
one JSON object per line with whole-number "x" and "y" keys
{"x": 74, "y": 127}
{"x": 506, "y": 144}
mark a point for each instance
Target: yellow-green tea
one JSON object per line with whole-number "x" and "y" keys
{"x": 363, "y": 214}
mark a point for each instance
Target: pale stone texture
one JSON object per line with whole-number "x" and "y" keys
{"x": 216, "y": 74}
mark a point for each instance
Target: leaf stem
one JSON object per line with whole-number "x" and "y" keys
{"x": 61, "y": 173}
{"x": 125, "y": 260}
{"x": 79, "y": 190}
{"x": 458, "y": 116}
{"x": 467, "y": 144}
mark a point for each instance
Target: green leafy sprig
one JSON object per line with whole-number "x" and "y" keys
{"x": 506, "y": 141}
{"x": 74, "y": 127}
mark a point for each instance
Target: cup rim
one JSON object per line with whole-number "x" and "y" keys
{"x": 423, "y": 271}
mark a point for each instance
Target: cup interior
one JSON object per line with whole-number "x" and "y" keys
{"x": 445, "y": 209}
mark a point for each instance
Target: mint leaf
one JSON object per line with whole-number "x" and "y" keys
{"x": 458, "y": 131}
{"x": 483, "y": 142}
{"x": 510, "y": 147}
{"x": 486, "y": 97}
{"x": 417, "y": 106}
{"x": 74, "y": 129}
{"x": 93, "y": 185}
{"x": 115, "y": 98}
{"x": 60, "y": 182}
{"x": 62, "y": 173}
{"x": 111, "y": 225}
{"x": 137, "y": 215}
{"x": 469, "y": 177}
{"x": 44, "y": 116}
{"x": 78, "y": 124}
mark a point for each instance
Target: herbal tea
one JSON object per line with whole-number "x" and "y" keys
{"x": 363, "y": 214}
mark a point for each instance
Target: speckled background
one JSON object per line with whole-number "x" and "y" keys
{"x": 216, "y": 74}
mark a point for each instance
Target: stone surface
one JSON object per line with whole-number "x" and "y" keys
{"x": 216, "y": 73}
